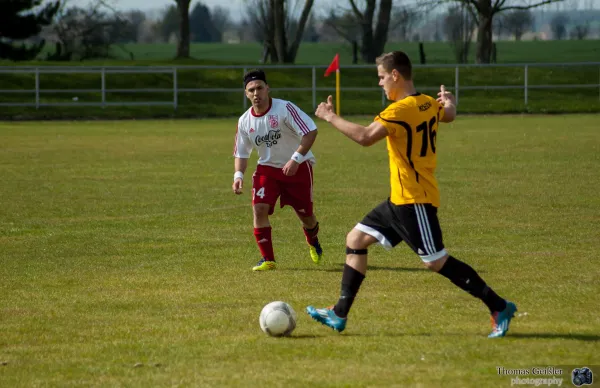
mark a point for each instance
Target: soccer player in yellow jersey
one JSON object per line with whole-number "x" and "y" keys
{"x": 410, "y": 126}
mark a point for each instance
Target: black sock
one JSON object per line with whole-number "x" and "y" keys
{"x": 351, "y": 281}
{"x": 465, "y": 277}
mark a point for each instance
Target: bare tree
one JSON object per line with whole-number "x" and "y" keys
{"x": 458, "y": 28}
{"x": 403, "y": 20}
{"x": 484, "y": 11}
{"x": 183, "y": 44}
{"x": 346, "y": 27}
{"x": 88, "y": 33}
{"x": 558, "y": 25}
{"x": 580, "y": 31}
{"x": 373, "y": 40}
{"x": 372, "y": 32}
{"x": 221, "y": 20}
{"x": 276, "y": 25}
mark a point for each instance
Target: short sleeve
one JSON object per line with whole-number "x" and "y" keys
{"x": 298, "y": 120}
{"x": 242, "y": 147}
{"x": 389, "y": 118}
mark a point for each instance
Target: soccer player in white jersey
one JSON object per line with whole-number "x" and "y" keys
{"x": 283, "y": 135}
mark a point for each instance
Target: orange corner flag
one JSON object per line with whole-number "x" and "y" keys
{"x": 334, "y": 66}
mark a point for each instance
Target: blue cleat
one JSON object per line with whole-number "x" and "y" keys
{"x": 501, "y": 320}
{"x": 327, "y": 317}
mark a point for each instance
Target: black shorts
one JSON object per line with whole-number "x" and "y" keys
{"x": 416, "y": 224}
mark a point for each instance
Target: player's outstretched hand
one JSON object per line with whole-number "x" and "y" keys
{"x": 445, "y": 95}
{"x": 237, "y": 186}
{"x": 325, "y": 110}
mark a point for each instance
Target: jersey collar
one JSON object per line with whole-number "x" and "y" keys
{"x": 262, "y": 114}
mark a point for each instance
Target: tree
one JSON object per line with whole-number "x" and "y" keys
{"x": 345, "y": 26}
{"x": 580, "y": 31}
{"x": 87, "y": 33}
{"x": 20, "y": 20}
{"x": 558, "y": 25}
{"x": 221, "y": 21}
{"x": 183, "y": 44}
{"x": 373, "y": 40}
{"x": 357, "y": 26}
{"x": 484, "y": 11}
{"x": 517, "y": 22}
{"x": 202, "y": 27}
{"x": 403, "y": 20}
{"x": 458, "y": 28}
{"x": 275, "y": 25}
{"x": 169, "y": 25}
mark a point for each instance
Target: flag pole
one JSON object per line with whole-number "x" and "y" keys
{"x": 337, "y": 91}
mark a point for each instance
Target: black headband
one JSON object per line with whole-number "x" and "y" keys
{"x": 257, "y": 75}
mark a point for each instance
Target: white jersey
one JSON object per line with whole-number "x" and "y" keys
{"x": 276, "y": 134}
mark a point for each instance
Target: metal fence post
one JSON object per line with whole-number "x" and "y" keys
{"x": 526, "y": 83}
{"x": 37, "y": 88}
{"x": 175, "y": 90}
{"x": 382, "y": 98}
{"x": 314, "y": 88}
{"x": 245, "y": 101}
{"x": 456, "y": 84}
{"x": 103, "y": 87}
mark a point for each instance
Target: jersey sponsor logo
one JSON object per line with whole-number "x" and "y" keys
{"x": 273, "y": 121}
{"x": 425, "y": 106}
{"x": 269, "y": 139}
{"x": 252, "y": 130}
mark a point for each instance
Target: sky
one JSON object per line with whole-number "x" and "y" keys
{"x": 236, "y": 6}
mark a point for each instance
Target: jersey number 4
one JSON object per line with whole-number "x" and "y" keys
{"x": 429, "y": 134}
{"x": 260, "y": 193}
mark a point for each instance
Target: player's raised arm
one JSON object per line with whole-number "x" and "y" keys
{"x": 365, "y": 136}
{"x": 448, "y": 101}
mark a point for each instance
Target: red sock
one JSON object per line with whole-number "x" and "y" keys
{"x": 263, "y": 239}
{"x": 311, "y": 235}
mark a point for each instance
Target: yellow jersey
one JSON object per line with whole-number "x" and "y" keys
{"x": 412, "y": 125}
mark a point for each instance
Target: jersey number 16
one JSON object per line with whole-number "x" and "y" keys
{"x": 429, "y": 132}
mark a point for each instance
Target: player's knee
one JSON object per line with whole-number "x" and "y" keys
{"x": 355, "y": 240}
{"x": 436, "y": 265}
{"x": 261, "y": 210}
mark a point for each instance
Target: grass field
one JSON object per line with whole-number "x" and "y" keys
{"x": 125, "y": 259}
{"x": 79, "y": 89}
{"x": 249, "y": 53}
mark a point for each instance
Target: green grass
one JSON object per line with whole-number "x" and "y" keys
{"x": 121, "y": 243}
{"x": 322, "y": 53}
{"x": 230, "y": 103}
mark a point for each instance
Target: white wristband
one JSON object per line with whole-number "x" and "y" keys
{"x": 297, "y": 157}
{"x": 238, "y": 174}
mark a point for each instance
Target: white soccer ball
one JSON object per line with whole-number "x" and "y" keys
{"x": 277, "y": 319}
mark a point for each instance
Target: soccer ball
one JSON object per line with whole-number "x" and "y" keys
{"x": 277, "y": 319}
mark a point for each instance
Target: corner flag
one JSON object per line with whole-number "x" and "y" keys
{"x": 335, "y": 66}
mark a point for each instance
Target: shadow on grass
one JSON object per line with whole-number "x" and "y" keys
{"x": 578, "y": 337}
{"x": 371, "y": 268}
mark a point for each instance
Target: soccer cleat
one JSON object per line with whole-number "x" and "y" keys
{"x": 501, "y": 320}
{"x": 316, "y": 253}
{"x": 264, "y": 265}
{"x": 327, "y": 317}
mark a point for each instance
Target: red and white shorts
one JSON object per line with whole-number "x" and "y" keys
{"x": 269, "y": 183}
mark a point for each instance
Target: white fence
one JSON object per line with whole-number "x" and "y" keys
{"x": 36, "y": 90}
